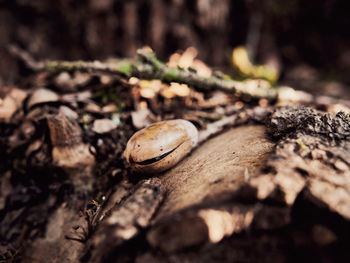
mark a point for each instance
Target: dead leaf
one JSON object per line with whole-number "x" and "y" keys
{"x": 11, "y": 102}
{"x": 142, "y": 118}
{"x": 42, "y": 96}
{"x": 68, "y": 112}
{"x": 181, "y": 90}
{"x": 187, "y": 60}
{"x": 103, "y": 126}
{"x": 93, "y": 107}
{"x": 150, "y": 88}
{"x": 109, "y": 108}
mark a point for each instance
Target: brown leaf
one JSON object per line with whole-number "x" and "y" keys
{"x": 42, "y": 96}
{"x": 11, "y": 102}
{"x": 103, "y": 126}
{"x": 142, "y": 118}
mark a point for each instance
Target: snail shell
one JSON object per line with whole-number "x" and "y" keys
{"x": 160, "y": 146}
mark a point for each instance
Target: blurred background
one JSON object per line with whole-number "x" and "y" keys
{"x": 307, "y": 41}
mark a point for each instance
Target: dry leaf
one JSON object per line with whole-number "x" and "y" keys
{"x": 167, "y": 93}
{"x": 68, "y": 112}
{"x": 150, "y": 88}
{"x": 187, "y": 60}
{"x": 202, "y": 69}
{"x": 103, "y": 126}
{"x": 11, "y": 103}
{"x": 178, "y": 89}
{"x": 187, "y": 57}
{"x": 142, "y": 118}
{"x": 82, "y": 96}
{"x": 93, "y": 107}
{"x": 147, "y": 93}
{"x": 42, "y": 96}
{"x": 133, "y": 81}
{"x": 109, "y": 108}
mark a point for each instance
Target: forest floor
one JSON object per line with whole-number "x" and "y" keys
{"x": 270, "y": 180}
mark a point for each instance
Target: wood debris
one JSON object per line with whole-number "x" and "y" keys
{"x": 272, "y": 183}
{"x": 68, "y": 150}
{"x": 127, "y": 219}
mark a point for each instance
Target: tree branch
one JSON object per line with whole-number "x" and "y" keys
{"x": 147, "y": 66}
{"x": 167, "y": 74}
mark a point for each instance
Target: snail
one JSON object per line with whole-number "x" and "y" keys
{"x": 160, "y": 145}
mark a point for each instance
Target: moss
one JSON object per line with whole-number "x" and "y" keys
{"x": 156, "y": 63}
{"x": 51, "y": 66}
{"x": 124, "y": 67}
{"x": 63, "y": 66}
{"x": 170, "y": 75}
{"x": 109, "y": 94}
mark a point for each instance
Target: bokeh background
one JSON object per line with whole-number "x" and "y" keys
{"x": 308, "y": 40}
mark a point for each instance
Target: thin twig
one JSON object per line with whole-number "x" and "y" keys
{"x": 147, "y": 66}
{"x": 236, "y": 119}
{"x": 167, "y": 74}
{"x": 26, "y": 58}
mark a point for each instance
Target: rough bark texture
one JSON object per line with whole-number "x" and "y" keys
{"x": 194, "y": 210}
{"x": 315, "y": 149}
{"x": 125, "y": 221}
{"x": 240, "y": 192}
{"x": 216, "y": 170}
{"x": 298, "y": 206}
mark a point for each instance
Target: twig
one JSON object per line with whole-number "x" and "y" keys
{"x": 26, "y": 58}
{"x": 236, "y": 119}
{"x": 148, "y": 67}
{"x": 193, "y": 79}
{"x": 120, "y": 68}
